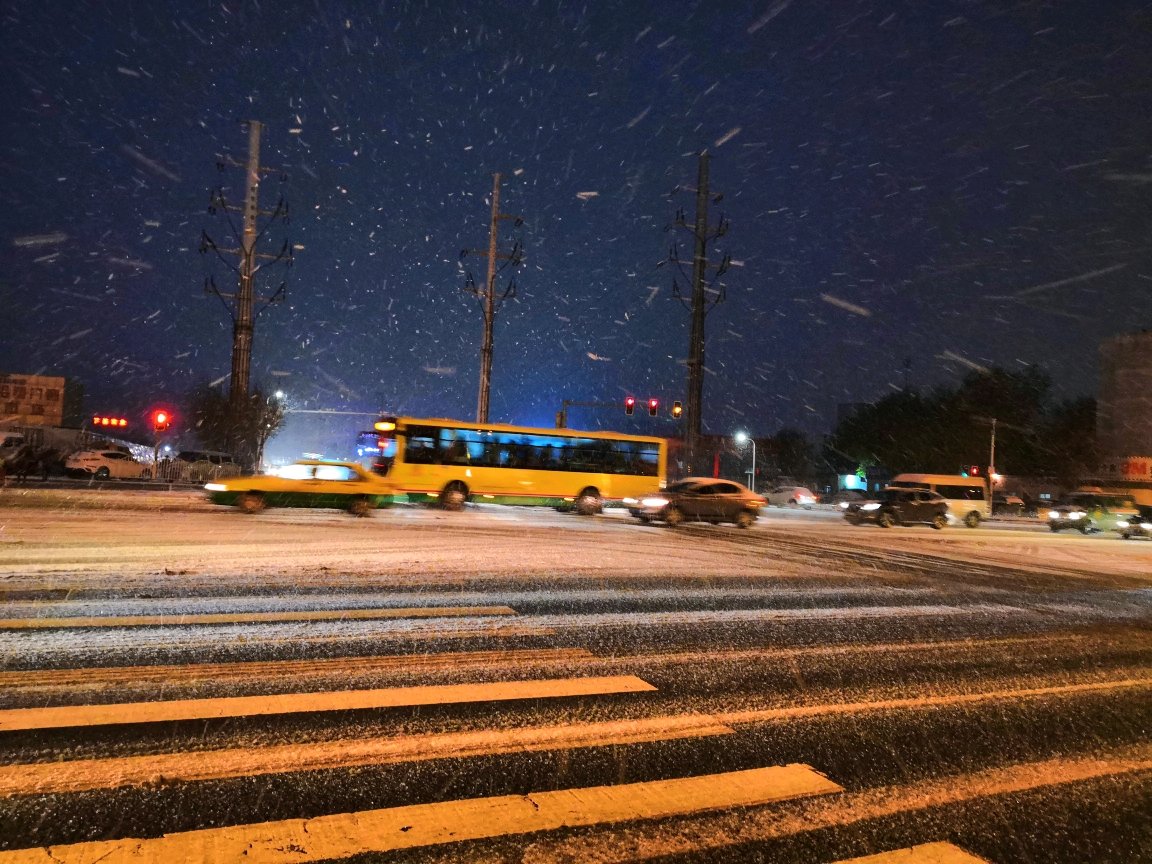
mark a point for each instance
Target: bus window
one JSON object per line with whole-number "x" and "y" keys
{"x": 433, "y": 445}
{"x": 962, "y": 493}
{"x": 420, "y": 445}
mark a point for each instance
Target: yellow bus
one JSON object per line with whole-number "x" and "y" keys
{"x": 450, "y": 462}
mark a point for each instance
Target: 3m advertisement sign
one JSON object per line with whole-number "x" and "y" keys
{"x": 1130, "y": 468}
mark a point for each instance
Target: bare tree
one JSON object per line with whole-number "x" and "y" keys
{"x": 242, "y": 429}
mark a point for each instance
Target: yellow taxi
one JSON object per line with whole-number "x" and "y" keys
{"x": 311, "y": 483}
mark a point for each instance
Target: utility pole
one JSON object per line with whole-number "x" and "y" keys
{"x": 243, "y": 326}
{"x": 243, "y": 317}
{"x": 488, "y": 298}
{"x": 696, "y": 336}
{"x": 992, "y": 465}
{"x": 701, "y": 302}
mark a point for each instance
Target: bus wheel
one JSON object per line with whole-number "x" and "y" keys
{"x": 250, "y": 502}
{"x": 454, "y": 496}
{"x": 972, "y": 520}
{"x": 588, "y": 502}
{"x": 361, "y": 507}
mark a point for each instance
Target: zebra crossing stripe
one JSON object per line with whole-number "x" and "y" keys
{"x": 104, "y": 676}
{"x": 294, "y": 841}
{"x": 928, "y": 853}
{"x": 69, "y": 716}
{"x": 43, "y": 778}
{"x": 252, "y": 617}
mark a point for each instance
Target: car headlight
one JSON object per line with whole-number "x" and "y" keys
{"x": 1147, "y": 526}
{"x": 1121, "y": 523}
{"x": 654, "y": 502}
{"x": 215, "y": 487}
{"x": 843, "y": 505}
{"x": 871, "y": 506}
{"x": 628, "y": 502}
{"x": 1053, "y": 514}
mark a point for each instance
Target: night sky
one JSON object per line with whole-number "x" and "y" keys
{"x": 903, "y": 179}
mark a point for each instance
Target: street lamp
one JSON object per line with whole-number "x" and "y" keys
{"x": 742, "y": 438}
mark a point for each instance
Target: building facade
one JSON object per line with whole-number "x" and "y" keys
{"x": 35, "y": 399}
{"x": 1124, "y": 403}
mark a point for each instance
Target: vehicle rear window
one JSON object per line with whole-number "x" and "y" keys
{"x": 962, "y": 493}
{"x": 296, "y": 472}
{"x": 726, "y": 489}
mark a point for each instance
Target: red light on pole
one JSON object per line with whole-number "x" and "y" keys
{"x": 629, "y": 405}
{"x": 161, "y": 420}
{"x": 653, "y": 406}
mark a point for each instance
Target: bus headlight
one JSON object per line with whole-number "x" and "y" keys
{"x": 628, "y": 502}
{"x": 215, "y": 487}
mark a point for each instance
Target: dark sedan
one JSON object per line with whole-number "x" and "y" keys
{"x": 900, "y": 507}
{"x": 699, "y": 499}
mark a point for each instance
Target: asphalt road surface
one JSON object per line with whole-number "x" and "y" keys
{"x": 185, "y": 684}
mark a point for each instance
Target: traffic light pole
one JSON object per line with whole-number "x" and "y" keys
{"x": 562, "y": 414}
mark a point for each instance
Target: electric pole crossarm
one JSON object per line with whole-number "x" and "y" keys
{"x": 486, "y": 254}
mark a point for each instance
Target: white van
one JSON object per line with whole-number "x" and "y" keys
{"x": 967, "y": 497}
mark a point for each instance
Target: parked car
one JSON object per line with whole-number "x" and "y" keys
{"x": 699, "y": 499}
{"x": 791, "y": 496}
{"x": 335, "y": 485}
{"x": 1007, "y": 504}
{"x": 200, "y": 466}
{"x": 105, "y": 464}
{"x": 893, "y": 506}
{"x": 1094, "y": 512}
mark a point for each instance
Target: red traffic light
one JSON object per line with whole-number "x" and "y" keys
{"x": 161, "y": 420}
{"x": 653, "y": 405}
{"x": 975, "y": 471}
{"x": 629, "y": 405}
